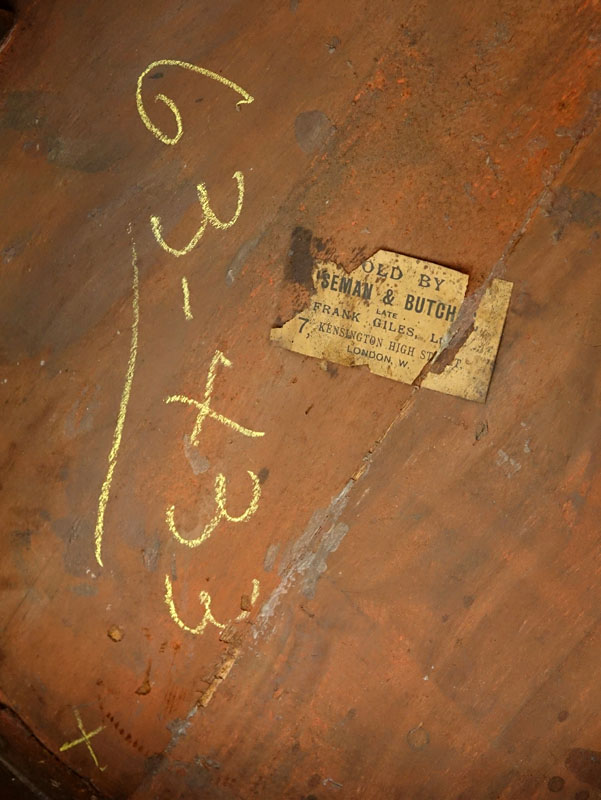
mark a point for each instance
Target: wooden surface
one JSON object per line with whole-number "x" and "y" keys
{"x": 427, "y": 624}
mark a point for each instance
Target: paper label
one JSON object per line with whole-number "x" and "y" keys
{"x": 392, "y": 314}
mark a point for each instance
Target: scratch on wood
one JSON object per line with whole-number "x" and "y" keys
{"x": 221, "y": 673}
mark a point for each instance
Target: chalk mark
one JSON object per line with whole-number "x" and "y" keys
{"x": 186, "y": 306}
{"x": 209, "y": 217}
{"x": 221, "y": 513}
{"x": 129, "y": 376}
{"x": 85, "y": 737}
{"x": 204, "y": 407}
{"x": 157, "y": 132}
{"x": 205, "y": 600}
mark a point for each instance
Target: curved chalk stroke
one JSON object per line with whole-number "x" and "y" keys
{"x": 129, "y": 377}
{"x": 203, "y": 199}
{"x": 246, "y": 97}
{"x": 155, "y": 224}
{"x": 221, "y": 513}
{"x": 205, "y": 599}
{"x": 209, "y": 217}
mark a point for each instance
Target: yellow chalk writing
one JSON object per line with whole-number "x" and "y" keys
{"x": 85, "y": 737}
{"x": 246, "y": 97}
{"x": 204, "y": 410}
{"x": 205, "y": 599}
{"x": 220, "y": 513}
{"x": 255, "y": 592}
{"x": 203, "y": 199}
{"x": 209, "y": 217}
{"x": 204, "y": 407}
{"x": 186, "y": 307}
{"x": 129, "y": 377}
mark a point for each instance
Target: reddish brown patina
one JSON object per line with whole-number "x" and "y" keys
{"x": 428, "y": 569}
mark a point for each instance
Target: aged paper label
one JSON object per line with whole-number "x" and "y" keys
{"x": 392, "y": 313}
{"x": 469, "y": 374}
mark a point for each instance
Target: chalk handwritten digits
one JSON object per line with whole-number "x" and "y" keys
{"x": 157, "y": 132}
{"x": 204, "y": 407}
{"x": 221, "y": 512}
{"x": 209, "y": 217}
{"x": 205, "y": 600}
{"x": 204, "y": 411}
